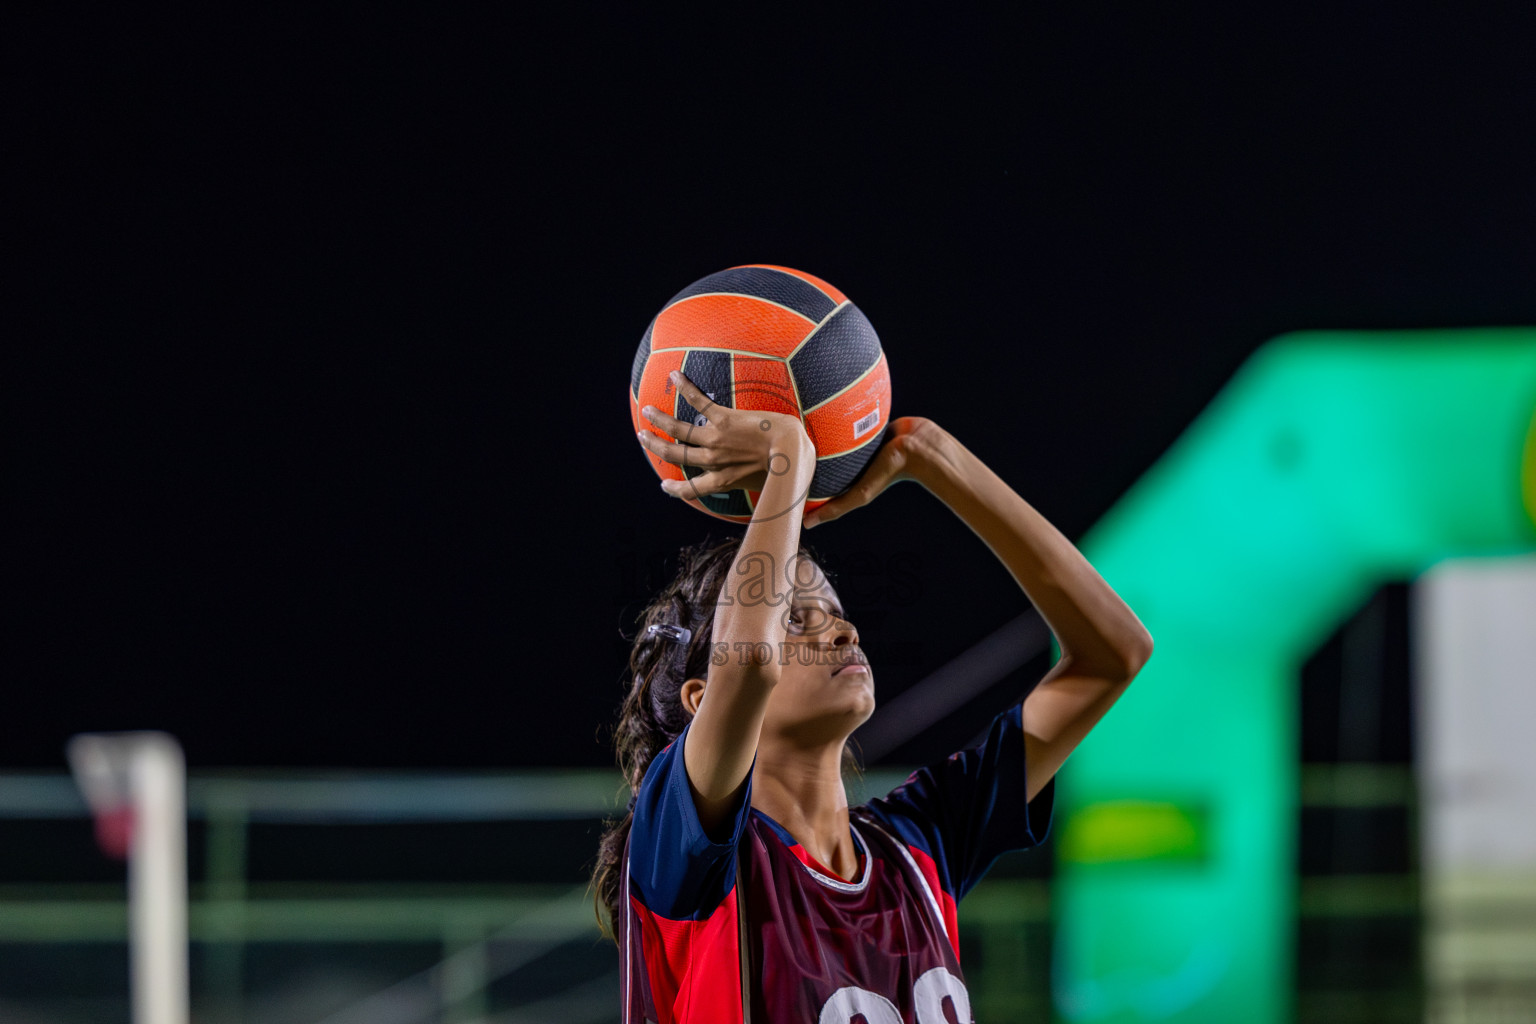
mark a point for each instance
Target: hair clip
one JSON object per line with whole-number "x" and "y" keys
{"x": 682, "y": 634}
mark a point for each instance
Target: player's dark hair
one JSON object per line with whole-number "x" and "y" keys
{"x": 652, "y": 714}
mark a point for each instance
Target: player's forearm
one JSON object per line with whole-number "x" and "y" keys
{"x": 759, "y": 586}
{"x": 1092, "y": 624}
{"x": 749, "y": 631}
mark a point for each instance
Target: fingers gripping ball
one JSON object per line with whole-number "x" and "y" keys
{"x": 769, "y": 338}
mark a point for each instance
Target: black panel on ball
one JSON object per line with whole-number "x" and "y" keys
{"x": 710, "y": 372}
{"x": 643, "y": 353}
{"x": 787, "y": 290}
{"x": 733, "y": 504}
{"x": 836, "y": 474}
{"x": 834, "y": 357}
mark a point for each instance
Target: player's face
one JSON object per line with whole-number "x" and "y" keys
{"x": 824, "y": 691}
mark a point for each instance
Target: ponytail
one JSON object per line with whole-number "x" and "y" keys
{"x": 652, "y": 714}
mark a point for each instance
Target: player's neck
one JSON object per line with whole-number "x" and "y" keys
{"x": 803, "y": 791}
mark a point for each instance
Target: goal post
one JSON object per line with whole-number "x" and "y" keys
{"x": 135, "y": 784}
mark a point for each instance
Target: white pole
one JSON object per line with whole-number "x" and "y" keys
{"x": 157, "y": 882}
{"x": 146, "y": 773}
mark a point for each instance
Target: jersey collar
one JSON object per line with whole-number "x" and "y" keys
{"x": 814, "y": 868}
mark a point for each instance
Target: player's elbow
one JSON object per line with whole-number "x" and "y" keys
{"x": 1116, "y": 664}
{"x": 1138, "y": 656}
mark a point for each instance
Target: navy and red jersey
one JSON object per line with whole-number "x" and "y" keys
{"x": 817, "y": 947}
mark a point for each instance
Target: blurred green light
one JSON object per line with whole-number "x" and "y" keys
{"x": 1331, "y": 463}
{"x": 1119, "y": 831}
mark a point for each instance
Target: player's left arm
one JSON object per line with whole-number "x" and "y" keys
{"x": 1103, "y": 643}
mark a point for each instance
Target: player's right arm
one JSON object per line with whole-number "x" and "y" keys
{"x": 736, "y": 450}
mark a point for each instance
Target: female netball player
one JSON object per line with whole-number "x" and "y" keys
{"x": 740, "y": 885}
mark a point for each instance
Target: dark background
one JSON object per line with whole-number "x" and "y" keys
{"x": 317, "y": 451}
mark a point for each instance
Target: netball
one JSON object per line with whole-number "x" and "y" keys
{"x": 775, "y": 339}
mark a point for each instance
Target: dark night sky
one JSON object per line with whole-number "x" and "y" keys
{"x": 321, "y": 454}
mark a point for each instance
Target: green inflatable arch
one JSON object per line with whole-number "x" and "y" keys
{"x": 1330, "y": 464}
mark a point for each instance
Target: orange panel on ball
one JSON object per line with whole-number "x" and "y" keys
{"x": 761, "y": 383}
{"x": 733, "y": 322}
{"x": 657, "y": 390}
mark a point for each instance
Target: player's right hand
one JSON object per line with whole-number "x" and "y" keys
{"x": 732, "y": 446}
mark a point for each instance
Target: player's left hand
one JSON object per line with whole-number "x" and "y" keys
{"x": 891, "y": 464}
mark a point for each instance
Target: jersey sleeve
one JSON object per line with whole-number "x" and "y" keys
{"x": 676, "y": 869}
{"x": 964, "y": 812}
